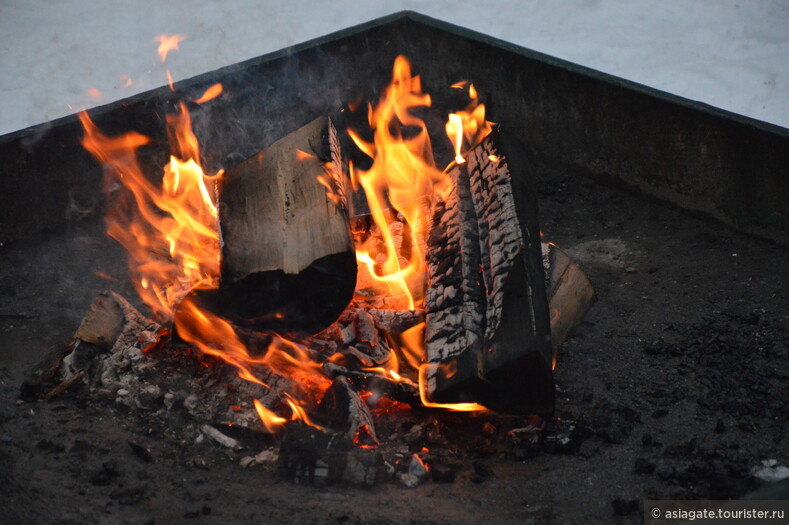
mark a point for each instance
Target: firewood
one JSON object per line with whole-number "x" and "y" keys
{"x": 103, "y": 323}
{"x": 344, "y": 412}
{"x": 487, "y": 333}
{"x": 287, "y": 258}
{"x": 110, "y": 321}
{"x": 570, "y": 294}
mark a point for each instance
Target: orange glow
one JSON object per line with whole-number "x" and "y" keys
{"x": 168, "y": 43}
{"x": 271, "y": 421}
{"x": 94, "y": 94}
{"x": 126, "y": 81}
{"x": 419, "y": 460}
{"x": 363, "y": 438}
{"x": 210, "y": 94}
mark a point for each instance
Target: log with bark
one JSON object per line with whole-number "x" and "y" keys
{"x": 487, "y": 333}
{"x": 287, "y": 258}
{"x": 570, "y": 294}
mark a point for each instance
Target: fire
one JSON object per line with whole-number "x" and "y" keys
{"x": 271, "y": 421}
{"x": 170, "y": 232}
{"x": 168, "y": 43}
{"x": 210, "y": 94}
{"x": 401, "y": 183}
{"x": 469, "y": 126}
{"x": 94, "y": 94}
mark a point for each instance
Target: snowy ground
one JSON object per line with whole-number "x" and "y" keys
{"x": 60, "y": 56}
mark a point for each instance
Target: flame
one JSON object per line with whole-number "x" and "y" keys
{"x": 271, "y": 421}
{"x": 399, "y": 187}
{"x": 400, "y": 181}
{"x": 169, "y": 232}
{"x": 210, "y": 94}
{"x": 458, "y": 407}
{"x": 299, "y": 413}
{"x": 167, "y": 43}
{"x": 467, "y": 127}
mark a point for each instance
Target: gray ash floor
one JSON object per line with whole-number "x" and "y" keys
{"x": 677, "y": 379}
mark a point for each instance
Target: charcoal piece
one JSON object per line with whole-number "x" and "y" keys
{"x": 441, "y": 473}
{"x": 141, "y": 452}
{"x": 356, "y": 466}
{"x": 106, "y": 475}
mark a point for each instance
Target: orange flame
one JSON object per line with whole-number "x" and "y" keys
{"x": 210, "y": 94}
{"x": 167, "y": 43}
{"x": 467, "y": 127}
{"x": 94, "y": 94}
{"x": 170, "y": 233}
{"x": 401, "y": 183}
{"x": 401, "y": 180}
{"x": 299, "y": 413}
{"x": 271, "y": 421}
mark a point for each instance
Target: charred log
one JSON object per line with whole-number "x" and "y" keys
{"x": 287, "y": 258}
{"x": 487, "y": 334}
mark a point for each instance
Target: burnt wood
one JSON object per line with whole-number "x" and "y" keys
{"x": 487, "y": 333}
{"x": 288, "y": 261}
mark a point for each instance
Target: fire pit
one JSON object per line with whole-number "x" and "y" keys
{"x": 629, "y": 382}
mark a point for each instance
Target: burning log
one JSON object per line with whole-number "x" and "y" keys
{"x": 288, "y": 262}
{"x": 487, "y": 334}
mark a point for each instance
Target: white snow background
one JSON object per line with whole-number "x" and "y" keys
{"x": 732, "y": 54}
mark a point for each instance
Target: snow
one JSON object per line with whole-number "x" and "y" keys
{"x": 55, "y": 53}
